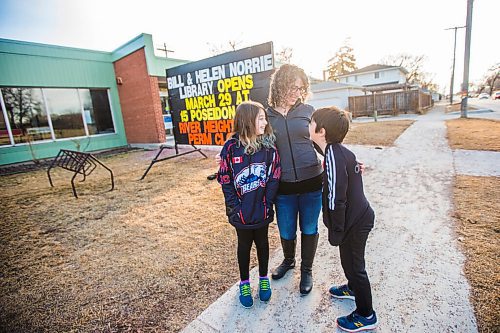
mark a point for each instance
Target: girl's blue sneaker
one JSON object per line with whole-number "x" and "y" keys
{"x": 264, "y": 289}
{"x": 355, "y": 322}
{"x": 246, "y": 298}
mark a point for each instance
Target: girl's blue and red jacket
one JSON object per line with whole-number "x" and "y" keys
{"x": 249, "y": 183}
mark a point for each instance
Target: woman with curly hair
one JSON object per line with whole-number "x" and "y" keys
{"x": 299, "y": 194}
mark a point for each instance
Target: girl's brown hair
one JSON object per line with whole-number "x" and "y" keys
{"x": 244, "y": 125}
{"x": 283, "y": 80}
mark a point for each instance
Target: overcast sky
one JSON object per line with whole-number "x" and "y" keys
{"x": 314, "y": 29}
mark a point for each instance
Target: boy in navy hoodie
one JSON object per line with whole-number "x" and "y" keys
{"x": 346, "y": 213}
{"x": 249, "y": 173}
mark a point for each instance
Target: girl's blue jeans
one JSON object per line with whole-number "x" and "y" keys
{"x": 305, "y": 206}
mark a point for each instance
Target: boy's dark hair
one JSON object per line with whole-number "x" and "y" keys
{"x": 335, "y": 122}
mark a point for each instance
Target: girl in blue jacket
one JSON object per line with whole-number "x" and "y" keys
{"x": 249, "y": 173}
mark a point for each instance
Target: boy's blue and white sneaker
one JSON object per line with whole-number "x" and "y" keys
{"x": 246, "y": 298}
{"x": 342, "y": 291}
{"x": 355, "y": 322}
{"x": 264, "y": 289}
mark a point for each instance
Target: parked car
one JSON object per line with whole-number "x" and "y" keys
{"x": 496, "y": 95}
{"x": 484, "y": 96}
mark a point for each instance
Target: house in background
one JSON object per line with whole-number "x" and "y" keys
{"x": 356, "y": 83}
{"x": 375, "y": 75}
{"x": 386, "y": 92}
{"x": 330, "y": 93}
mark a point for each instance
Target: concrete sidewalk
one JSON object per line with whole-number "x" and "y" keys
{"x": 413, "y": 259}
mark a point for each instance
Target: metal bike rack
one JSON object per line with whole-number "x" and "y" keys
{"x": 79, "y": 163}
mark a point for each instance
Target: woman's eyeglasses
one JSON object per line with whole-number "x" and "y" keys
{"x": 296, "y": 89}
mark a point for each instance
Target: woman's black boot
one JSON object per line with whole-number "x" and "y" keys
{"x": 308, "y": 251}
{"x": 289, "y": 261}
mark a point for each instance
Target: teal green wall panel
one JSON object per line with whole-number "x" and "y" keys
{"x": 48, "y": 149}
{"x": 52, "y": 51}
{"x": 157, "y": 65}
{"x": 27, "y": 70}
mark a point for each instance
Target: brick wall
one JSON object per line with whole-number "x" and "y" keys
{"x": 139, "y": 100}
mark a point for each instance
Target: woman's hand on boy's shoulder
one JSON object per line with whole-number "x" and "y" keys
{"x": 361, "y": 166}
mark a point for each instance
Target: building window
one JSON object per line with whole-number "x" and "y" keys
{"x": 4, "y": 133}
{"x": 377, "y": 75}
{"x": 65, "y": 112}
{"x": 355, "y": 78}
{"x": 35, "y": 114}
{"x": 26, "y": 114}
{"x": 96, "y": 111}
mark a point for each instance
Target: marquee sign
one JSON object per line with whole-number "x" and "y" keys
{"x": 203, "y": 95}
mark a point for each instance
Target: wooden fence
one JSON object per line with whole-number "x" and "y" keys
{"x": 390, "y": 103}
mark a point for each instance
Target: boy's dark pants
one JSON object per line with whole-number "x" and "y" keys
{"x": 352, "y": 258}
{"x": 246, "y": 237}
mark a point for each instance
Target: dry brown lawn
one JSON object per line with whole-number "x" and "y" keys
{"x": 456, "y": 107}
{"x": 477, "y": 211}
{"x": 474, "y": 134}
{"x": 151, "y": 255}
{"x": 148, "y": 256}
{"x": 381, "y": 133}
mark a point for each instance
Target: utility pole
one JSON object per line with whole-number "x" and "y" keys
{"x": 465, "y": 84}
{"x": 453, "y": 67}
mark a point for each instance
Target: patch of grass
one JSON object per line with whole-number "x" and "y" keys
{"x": 149, "y": 256}
{"x": 477, "y": 212}
{"x": 456, "y": 107}
{"x": 381, "y": 133}
{"x": 474, "y": 134}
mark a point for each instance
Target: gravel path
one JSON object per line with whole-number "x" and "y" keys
{"x": 413, "y": 258}
{"x": 477, "y": 162}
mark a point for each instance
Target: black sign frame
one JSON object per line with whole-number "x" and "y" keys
{"x": 203, "y": 95}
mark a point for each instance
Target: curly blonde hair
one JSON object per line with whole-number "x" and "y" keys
{"x": 282, "y": 81}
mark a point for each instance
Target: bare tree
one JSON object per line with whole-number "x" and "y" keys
{"x": 216, "y": 49}
{"x": 492, "y": 78}
{"x": 427, "y": 82}
{"x": 342, "y": 63}
{"x": 412, "y": 64}
{"x": 21, "y": 107}
{"x": 23, "y": 112}
{"x": 285, "y": 55}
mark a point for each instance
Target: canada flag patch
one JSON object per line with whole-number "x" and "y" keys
{"x": 237, "y": 159}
